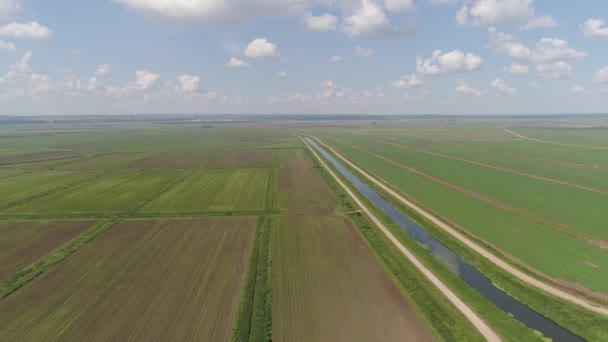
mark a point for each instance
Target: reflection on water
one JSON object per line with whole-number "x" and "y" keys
{"x": 453, "y": 262}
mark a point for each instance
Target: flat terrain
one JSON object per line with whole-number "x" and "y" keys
{"x": 22, "y": 243}
{"x": 236, "y": 159}
{"x": 141, "y": 280}
{"x": 511, "y": 193}
{"x": 319, "y": 294}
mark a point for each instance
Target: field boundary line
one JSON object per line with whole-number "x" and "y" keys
{"x": 520, "y": 136}
{"x": 500, "y": 168}
{"x": 475, "y": 319}
{"x": 474, "y": 246}
{"x": 45, "y": 263}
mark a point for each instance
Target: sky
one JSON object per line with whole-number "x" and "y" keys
{"x": 75, "y": 57}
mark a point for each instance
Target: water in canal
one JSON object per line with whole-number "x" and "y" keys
{"x": 457, "y": 265}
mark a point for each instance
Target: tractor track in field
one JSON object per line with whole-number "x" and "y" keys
{"x": 484, "y": 329}
{"x": 500, "y": 168}
{"x": 474, "y": 246}
{"x": 501, "y": 205}
{"x": 517, "y": 135}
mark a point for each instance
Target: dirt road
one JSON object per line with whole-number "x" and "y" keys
{"x": 475, "y": 319}
{"x": 480, "y": 250}
{"x": 517, "y": 135}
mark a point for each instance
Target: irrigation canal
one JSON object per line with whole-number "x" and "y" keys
{"x": 453, "y": 262}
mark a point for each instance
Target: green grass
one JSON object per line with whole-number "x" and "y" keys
{"x": 111, "y": 161}
{"x": 117, "y": 192}
{"x": 215, "y": 190}
{"x": 254, "y": 317}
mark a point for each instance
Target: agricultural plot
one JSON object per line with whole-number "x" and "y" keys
{"x": 116, "y": 192}
{"x": 215, "y": 190}
{"x": 27, "y": 185}
{"x": 6, "y": 173}
{"x": 173, "y": 160}
{"x": 240, "y": 159}
{"x": 141, "y": 280}
{"x": 320, "y": 294}
{"x": 510, "y": 212}
{"x": 111, "y": 161}
{"x": 38, "y": 156}
{"x": 22, "y": 243}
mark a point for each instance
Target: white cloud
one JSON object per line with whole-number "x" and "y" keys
{"x": 576, "y": 89}
{"x": 281, "y": 73}
{"x": 335, "y": 59}
{"x": 7, "y": 46}
{"x": 502, "y": 12}
{"x": 39, "y": 83}
{"x": 24, "y": 63}
{"x": 237, "y": 63}
{"x": 92, "y": 84}
{"x": 463, "y": 88}
{"x": 502, "y": 87}
{"x": 602, "y": 75}
{"x": 31, "y": 30}
{"x": 145, "y": 80}
{"x": 454, "y": 61}
{"x": 368, "y": 19}
{"x": 557, "y": 70}
{"x": 103, "y": 70}
{"x": 442, "y": 2}
{"x": 544, "y": 21}
{"x": 595, "y": 28}
{"x": 189, "y": 83}
{"x": 516, "y": 68}
{"x": 11, "y": 8}
{"x": 546, "y": 49}
{"x": 408, "y": 81}
{"x": 216, "y": 11}
{"x": 363, "y": 52}
{"x": 262, "y": 48}
{"x": 325, "y": 22}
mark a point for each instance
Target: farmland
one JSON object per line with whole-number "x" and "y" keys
{"x": 237, "y": 232}
{"x": 509, "y": 193}
{"x": 127, "y": 284}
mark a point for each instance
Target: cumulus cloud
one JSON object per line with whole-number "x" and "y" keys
{"x": 398, "y": 5}
{"x": 546, "y": 49}
{"x": 325, "y": 22}
{"x": 516, "y": 69}
{"x": 335, "y": 59}
{"x": 281, "y": 74}
{"x": 145, "y": 80}
{"x": 502, "y": 12}
{"x": 237, "y": 63}
{"x": 92, "y": 84}
{"x": 7, "y": 46}
{"x": 576, "y": 89}
{"x": 408, "y": 81}
{"x": 502, "y": 87}
{"x": 31, "y": 30}
{"x": 189, "y": 83}
{"x": 261, "y": 48}
{"x": 463, "y": 88}
{"x": 363, "y": 52}
{"x": 369, "y": 19}
{"x": 103, "y": 70}
{"x": 216, "y": 11}
{"x": 595, "y": 28}
{"x": 555, "y": 71}
{"x": 454, "y": 61}
{"x": 602, "y": 75}
{"x": 39, "y": 83}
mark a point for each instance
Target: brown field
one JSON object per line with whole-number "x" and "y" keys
{"x": 300, "y": 189}
{"x": 22, "y": 243}
{"x": 163, "y": 280}
{"x": 39, "y": 156}
{"x": 240, "y": 159}
{"x": 327, "y": 283}
{"x": 328, "y": 286}
{"x": 173, "y": 160}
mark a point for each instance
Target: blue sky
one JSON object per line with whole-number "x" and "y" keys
{"x": 303, "y": 56}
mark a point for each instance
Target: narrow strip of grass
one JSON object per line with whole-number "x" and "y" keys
{"x": 589, "y": 325}
{"x": 447, "y": 322}
{"x": 27, "y": 274}
{"x": 270, "y": 188}
{"x": 254, "y": 316}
